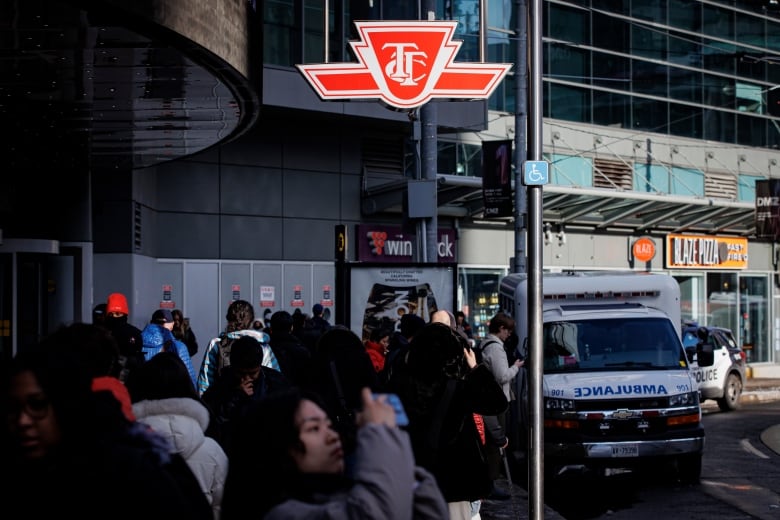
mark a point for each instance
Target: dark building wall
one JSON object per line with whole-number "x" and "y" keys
{"x": 276, "y": 193}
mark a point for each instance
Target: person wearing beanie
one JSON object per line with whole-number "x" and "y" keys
{"x": 158, "y": 336}
{"x": 127, "y": 335}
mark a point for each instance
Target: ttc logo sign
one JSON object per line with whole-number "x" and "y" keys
{"x": 405, "y": 64}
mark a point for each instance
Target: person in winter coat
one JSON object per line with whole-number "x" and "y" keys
{"x": 164, "y": 398}
{"x": 293, "y": 356}
{"x": 441, "y": 388}
{"x": 127, "y": 335}
{"x": 240, "y": 322}
{"x": 494, "y": 357}
{"x": 69, "y": 450}
{"x": 341, "y": 368}
{"x": 183, "y": 332}
{"x": 239, "y": 385}
{"x": 291, "y": 465}
{"x": 410, "y": 324}
{"x": 377, "y": 346}
{"x": 158, "y": 336}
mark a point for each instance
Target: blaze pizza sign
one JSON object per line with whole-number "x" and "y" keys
{"x": 405, "y": 64}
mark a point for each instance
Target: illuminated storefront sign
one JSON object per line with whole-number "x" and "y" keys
{"x": 391, "y": 244}
{"x": 706, "y": 252}
{"x": 405, "y": 64}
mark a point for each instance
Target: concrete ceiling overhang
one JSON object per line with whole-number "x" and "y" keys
{"x": 86, "y": 84}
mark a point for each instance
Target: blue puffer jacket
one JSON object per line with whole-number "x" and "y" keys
{"x": 155, "y": 337}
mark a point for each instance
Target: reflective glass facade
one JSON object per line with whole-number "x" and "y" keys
{"x": 687, "y": 68}
{"x": 705, "y": 70}
{"x": 697, "y": 69}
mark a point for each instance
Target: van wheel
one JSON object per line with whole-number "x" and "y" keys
{"x": 689, "y": 469}
{"x": 732, "y": 393}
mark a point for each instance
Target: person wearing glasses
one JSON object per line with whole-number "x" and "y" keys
{"x": 68, "y": 448}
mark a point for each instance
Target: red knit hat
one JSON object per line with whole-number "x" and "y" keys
{"x": 117, "y": 303}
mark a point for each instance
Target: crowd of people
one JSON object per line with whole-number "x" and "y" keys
{"x": 278, "y": 421}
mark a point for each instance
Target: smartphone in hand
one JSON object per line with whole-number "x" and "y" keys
{"x": 393, "y": 400}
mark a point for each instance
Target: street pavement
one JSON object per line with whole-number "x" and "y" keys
{"x": 516, "y": 507}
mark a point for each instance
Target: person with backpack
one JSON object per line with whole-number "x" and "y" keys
{"x": 494, "y": 356}
{"x": 240, "y": 322}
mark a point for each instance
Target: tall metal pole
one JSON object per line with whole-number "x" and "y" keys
{"x": 536, "y": 465}
{"x": 521, "y": 122}
{"x": 428, "y": 155}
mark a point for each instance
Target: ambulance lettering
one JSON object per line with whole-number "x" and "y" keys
{"x": 596, "y": 391}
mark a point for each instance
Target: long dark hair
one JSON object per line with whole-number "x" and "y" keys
{"x": 262, "y": 472}
{"x": 165, "y": 375}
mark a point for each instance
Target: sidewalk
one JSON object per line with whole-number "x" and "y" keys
{"x": 516, "y": 508}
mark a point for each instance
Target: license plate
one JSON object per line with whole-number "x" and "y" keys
{"x": 625, "y": 450}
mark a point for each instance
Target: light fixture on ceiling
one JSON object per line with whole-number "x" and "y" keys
{"x": 561, "y": 235}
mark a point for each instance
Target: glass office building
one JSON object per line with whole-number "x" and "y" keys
{"x": 689, "y": 75}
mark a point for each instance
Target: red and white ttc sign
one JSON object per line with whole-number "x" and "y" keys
{"x": 405, "y": 64}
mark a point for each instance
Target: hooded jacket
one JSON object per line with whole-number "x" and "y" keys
{"x": 183, "y": 421}
{"x": 211, "y": 366}
{"x": 156, "y": 337}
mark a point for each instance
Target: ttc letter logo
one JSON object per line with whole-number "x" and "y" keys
{"x": 405, "y": 64}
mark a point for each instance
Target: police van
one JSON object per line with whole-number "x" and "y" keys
{"x": 618, "y": 388}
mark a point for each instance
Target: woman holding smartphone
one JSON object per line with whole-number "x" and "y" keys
{"x": 287, "y": 462}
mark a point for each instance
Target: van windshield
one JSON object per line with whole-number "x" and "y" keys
{"x": 630, "y": 344}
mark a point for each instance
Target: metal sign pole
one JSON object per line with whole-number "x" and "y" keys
{"x": 536, "y": 437}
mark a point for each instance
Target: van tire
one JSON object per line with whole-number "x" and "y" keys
{"x": 732, "y": 393}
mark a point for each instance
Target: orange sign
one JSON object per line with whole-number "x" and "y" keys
{"x": 643, "y": 249}
{"x": 405, "y": 64}
{"x": 706, "y": 252}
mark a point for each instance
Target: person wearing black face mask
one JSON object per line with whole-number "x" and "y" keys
{"x": 128, "y": 336}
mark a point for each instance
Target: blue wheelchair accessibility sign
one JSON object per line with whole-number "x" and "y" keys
{"x": 535, "y": 173}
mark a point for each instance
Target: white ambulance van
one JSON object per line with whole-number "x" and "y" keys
{"x": 618, "y": 389}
